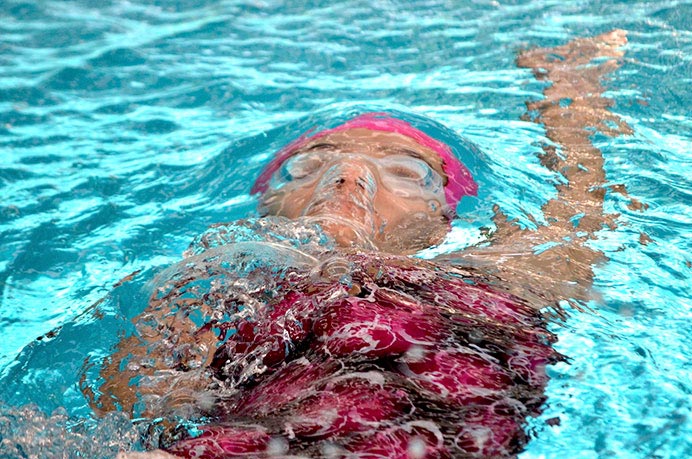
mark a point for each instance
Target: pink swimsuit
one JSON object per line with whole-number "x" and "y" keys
{"x": 398, "y": 358}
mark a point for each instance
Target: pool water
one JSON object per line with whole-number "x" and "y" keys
{"x": 126, "y": 128}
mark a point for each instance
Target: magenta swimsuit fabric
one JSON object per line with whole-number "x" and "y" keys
{"x": 402, "y": 360}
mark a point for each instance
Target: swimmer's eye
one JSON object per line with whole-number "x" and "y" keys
{"x": 404, "y": 172}
{"x": 406, "y": 167}
{"x": 301, "y": 166}
{"x": 400, "y": 173}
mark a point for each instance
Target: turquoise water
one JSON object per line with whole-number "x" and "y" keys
{"x": 128, "y": 127}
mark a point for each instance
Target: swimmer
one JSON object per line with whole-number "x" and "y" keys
{"x": 336, "y": 343}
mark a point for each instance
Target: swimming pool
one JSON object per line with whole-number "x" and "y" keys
{"x": 127, "y": 128}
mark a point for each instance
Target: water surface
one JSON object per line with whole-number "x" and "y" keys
{"x": 126, "y": 128}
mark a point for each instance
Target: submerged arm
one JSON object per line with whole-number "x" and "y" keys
{"x": 556, "y": 257}
{"x": 162, "y": 368}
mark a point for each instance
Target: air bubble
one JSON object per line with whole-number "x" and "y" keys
{"x": 278, "y": 446}
{"x": 416, "y": 449}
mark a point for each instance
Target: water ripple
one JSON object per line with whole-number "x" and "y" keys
{"x": 127, "y": 127}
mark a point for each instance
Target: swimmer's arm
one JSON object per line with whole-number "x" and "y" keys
{"x": 556, "y": 257}
{"x": 144, "y": 375}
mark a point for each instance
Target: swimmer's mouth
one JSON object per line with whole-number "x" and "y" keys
{"x": 346, "y": 232}
{"x": 351, "y": 211}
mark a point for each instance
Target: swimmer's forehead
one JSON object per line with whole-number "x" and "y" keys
{"x": 376, "y": 144}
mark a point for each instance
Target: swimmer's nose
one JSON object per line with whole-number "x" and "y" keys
{"x": 351, "y": 175}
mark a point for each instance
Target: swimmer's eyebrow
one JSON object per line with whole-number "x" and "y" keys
{"x": 405, "y": 151}
{"x": 321, "y": 145}
{"x": 317, "y": 146}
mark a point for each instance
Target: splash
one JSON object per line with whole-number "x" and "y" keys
{"x": 248, "y": 344}
{"x": 27, "y": 432}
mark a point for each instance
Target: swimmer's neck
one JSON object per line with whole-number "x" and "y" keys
{"x": 352, "y": 235}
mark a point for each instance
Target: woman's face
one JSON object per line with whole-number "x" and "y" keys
{"x": 358, "y": 184}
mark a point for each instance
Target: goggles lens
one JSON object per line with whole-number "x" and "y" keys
{"x": 399, "y": 173}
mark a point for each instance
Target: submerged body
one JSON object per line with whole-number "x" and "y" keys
{"x": 311, "y": 332}
{"x": 364, "y": 353}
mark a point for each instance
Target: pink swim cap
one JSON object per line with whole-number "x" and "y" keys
{"x": 459, "y": 180}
